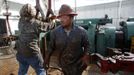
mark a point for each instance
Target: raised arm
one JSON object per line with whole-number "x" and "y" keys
{"x": 44, "y": 26}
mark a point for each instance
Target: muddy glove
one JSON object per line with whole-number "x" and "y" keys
{"x": 85, "y": 59}
{"x": 46, "y": 26}
{"x": 83, "y": 62}
{"x": 52, "y": 24}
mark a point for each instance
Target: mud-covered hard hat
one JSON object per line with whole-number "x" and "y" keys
{"x": 66, "y": 10}
{"x": 27, "y": 10}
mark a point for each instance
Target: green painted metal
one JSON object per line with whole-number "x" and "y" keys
{"x": 47, "y": 36}
{"x": 110, "y": 36}
{"x": 100, "y": 42}
{"x": 105, "y": 37}
{"x": 128, "y": 29}
{"x": 41, "y": 40}
{"x": 91, "y": 36}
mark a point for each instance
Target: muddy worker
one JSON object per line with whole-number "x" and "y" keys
{"x": 71, "y": 41}
{"x": 28, "y": 51}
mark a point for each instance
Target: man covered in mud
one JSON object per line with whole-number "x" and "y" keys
{"x": 28, "y": 51}
{"x": 71, "y": 42}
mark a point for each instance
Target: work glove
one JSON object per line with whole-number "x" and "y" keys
{"x": 83, "y": 62}
{"x": 52, "y": 24}
{"x": 85, "y": 59}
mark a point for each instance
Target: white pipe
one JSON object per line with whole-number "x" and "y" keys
{"x": 119, "y": 10}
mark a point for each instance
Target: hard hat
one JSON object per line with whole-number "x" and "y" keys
{"x": 66, "y": 10}
{"x": 27, "y": 10}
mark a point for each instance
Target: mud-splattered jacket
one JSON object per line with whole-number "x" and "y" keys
{"x": 27, "y": 43}
{"x": 70, "y": 47}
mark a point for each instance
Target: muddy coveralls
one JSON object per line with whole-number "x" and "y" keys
{"x": 28, "y": 51}
{"x": 70, "y": 48}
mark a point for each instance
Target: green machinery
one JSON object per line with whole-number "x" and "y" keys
{"x": 128, "y": 31}
{"x": 100, "y": 37}
{"x": 102, "y": 34}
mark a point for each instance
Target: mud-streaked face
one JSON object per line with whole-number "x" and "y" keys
{"x": 66, "y": 20}
{"x": 33, "y": 11}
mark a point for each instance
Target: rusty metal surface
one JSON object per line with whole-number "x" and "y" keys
{"x": 116, "y": 63}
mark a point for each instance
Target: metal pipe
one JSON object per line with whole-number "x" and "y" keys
{"x": 119, "y": 10}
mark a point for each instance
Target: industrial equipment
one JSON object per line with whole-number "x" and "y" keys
{"x": 111, "y": 48}
{"x": 115, "y": 63}
{"x": 103, "y": 36}
{"x": 99, "y": 34}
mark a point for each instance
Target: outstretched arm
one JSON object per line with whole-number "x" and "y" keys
{"x": 44, "y": 26}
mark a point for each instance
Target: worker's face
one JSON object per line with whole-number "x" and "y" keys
{"x": 33, "y": 11}
{"x": 66, "y": 20}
